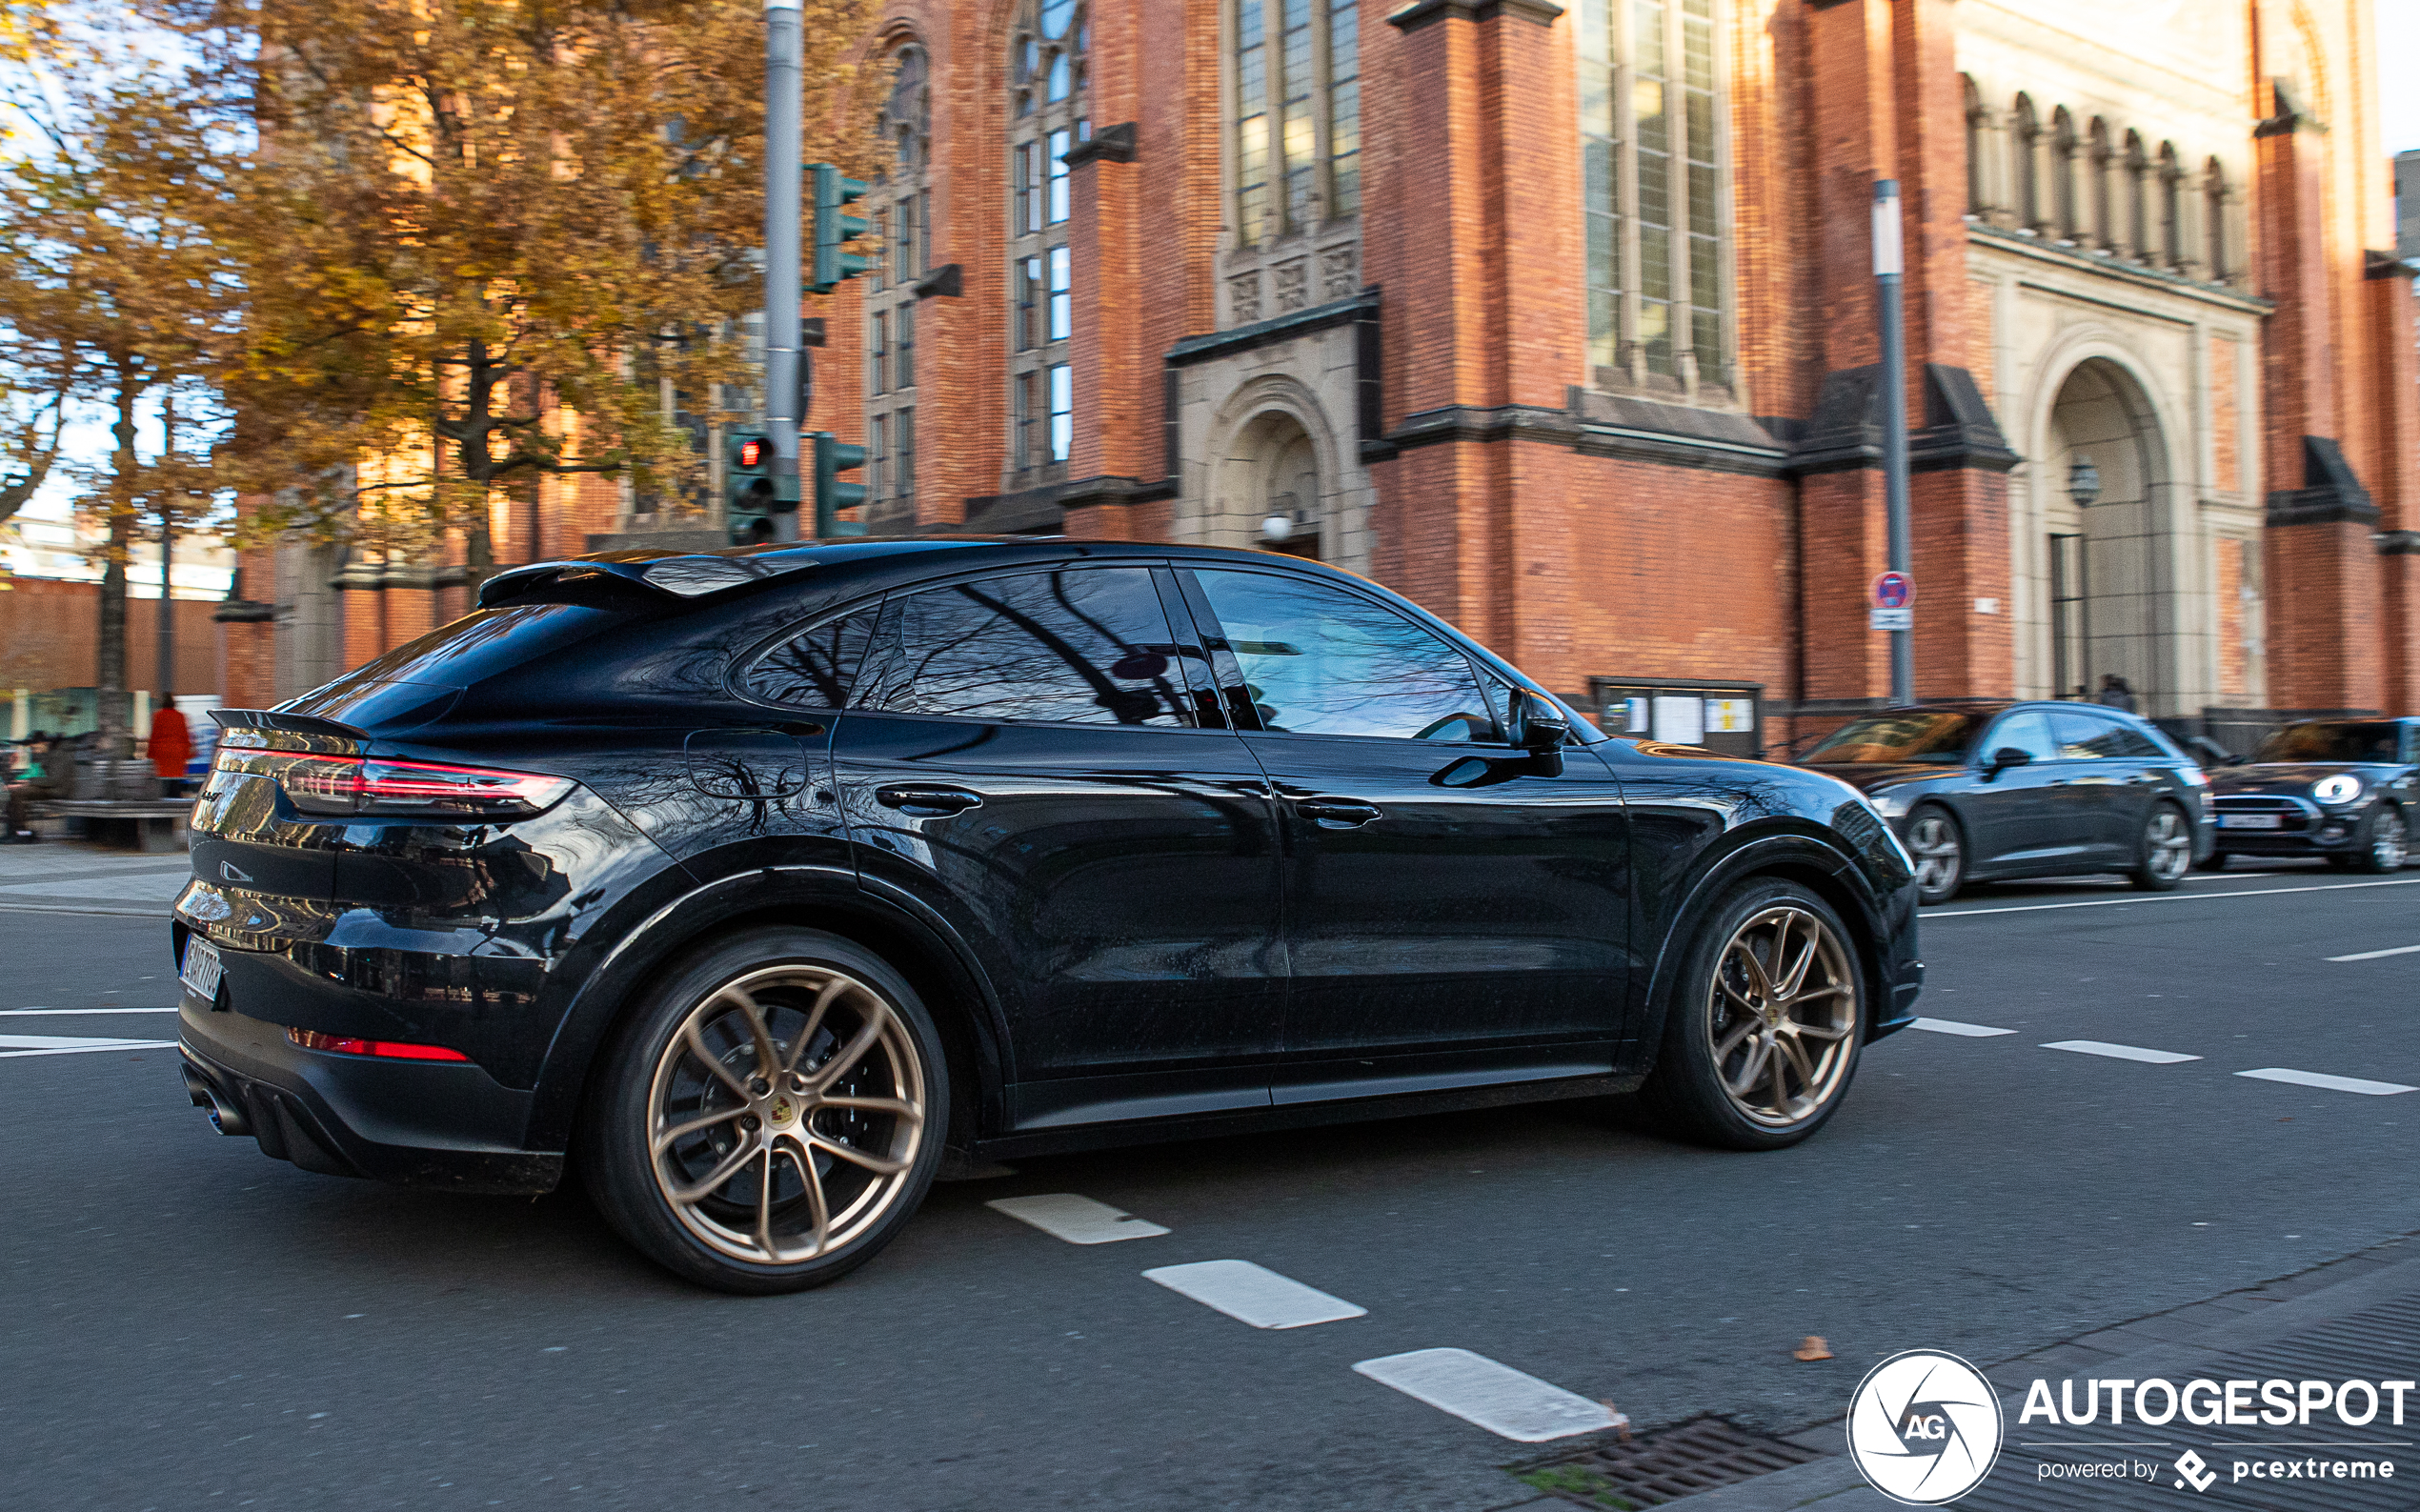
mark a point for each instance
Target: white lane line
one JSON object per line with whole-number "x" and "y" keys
{"x": 85, "y": 1047}
{"x": 1950, "y": 1026}
{"x": 2102, "y": 1047}
{"x": 2164, "y": 897}
{"x": 63, "y": 1013}
{"x": 1254, "y": 1295}
{"x": 1077, "y": 1220}
{"x": 2380, "y": 954}
{"x": 1497, "y": 1397}
{"x": 2315, "y": 1079}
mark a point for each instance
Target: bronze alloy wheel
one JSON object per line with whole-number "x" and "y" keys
{"x": 785, "y": 1113}
{"x": 1781, "y": 1018}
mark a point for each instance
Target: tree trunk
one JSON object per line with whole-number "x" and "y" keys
{"x": 112, "y": 711}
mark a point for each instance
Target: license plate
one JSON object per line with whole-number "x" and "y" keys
{"x": 200, "y": 972}
{"x": 2251, "y": 821}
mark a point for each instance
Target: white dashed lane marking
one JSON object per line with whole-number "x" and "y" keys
{"x": 2321, "y": 1080}
{"x": 1077, "y": 1220}
{"x": 1254, "y": 1295}
{"x": 1497, "y": 1397}
{"x": 2102, "y": 1047}
{"x": 2163, "y": 897}
{"x": 1950, "y": 1026}
{"x": 2380, "y": 954}
{"x": 66, "y": 1045}
{"x": 75, "y": 1013}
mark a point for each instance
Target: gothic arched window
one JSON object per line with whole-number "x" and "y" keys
{"x": 1298, "y": 115}
{"x": 2028, "y": 142}
{"x": 1049, "y": 112}
{"x": 1656, "y": 184}
{"x": 902, "y": 204}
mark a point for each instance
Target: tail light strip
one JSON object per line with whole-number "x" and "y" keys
{"x": 386, "y": 1049}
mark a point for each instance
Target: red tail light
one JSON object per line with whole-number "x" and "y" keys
{"x": 387, "y": 1049}
{"x": 373, "y": 788}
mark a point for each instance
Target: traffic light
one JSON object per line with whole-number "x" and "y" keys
{"x": 832, "y": 457}
{"x": 832, "y": 227}
{"x": 748, "y": 502}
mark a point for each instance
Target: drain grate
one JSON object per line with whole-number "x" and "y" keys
{"x": 1666, "y": 1465}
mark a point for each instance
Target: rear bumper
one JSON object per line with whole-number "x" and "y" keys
{"x": 416, "y": 1123}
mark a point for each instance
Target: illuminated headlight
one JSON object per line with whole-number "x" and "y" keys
{"x": 2342, "y": 788}
{"x": 1890, "y": 805}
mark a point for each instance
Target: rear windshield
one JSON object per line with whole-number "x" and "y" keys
{"x": 1936, "y": 736}
{"x": 2332, "y": 742}
{"x": 485, "y": 642}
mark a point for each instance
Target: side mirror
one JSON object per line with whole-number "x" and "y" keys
{"x": 1538, "y": 725}
{"x": 2006, "y": 757}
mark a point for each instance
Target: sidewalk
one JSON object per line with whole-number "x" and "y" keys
{"x": 2357, "y": 1317}
{"x": 70, "y": 876}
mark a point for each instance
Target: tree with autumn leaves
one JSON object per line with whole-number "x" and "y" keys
{"x": 483, "y": 238}
{"x": 413, "y": 253}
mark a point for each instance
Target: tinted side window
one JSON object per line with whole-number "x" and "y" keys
{"x": 1080, "y": 645}
{"x": 815, "y": 668}
{"x": 2091, "y": 738}
{"x": 2028, "y": 731}
{"x": 1319, "y": 660}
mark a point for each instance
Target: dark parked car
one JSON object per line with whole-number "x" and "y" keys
{"x": 2344, "y": 789}
{"x": 1986, "y": 791}
{"x": 759, "y": 884}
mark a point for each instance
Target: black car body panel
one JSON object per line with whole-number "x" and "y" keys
{"x": 1176, "y": 918}
{"x": 2280, "y": 797}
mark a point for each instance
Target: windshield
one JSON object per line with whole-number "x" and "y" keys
{"x": 2332, "y": 741}
{"x": 1936, "y": 736}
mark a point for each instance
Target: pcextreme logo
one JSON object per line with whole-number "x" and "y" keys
{"x": 1925, "y": 1427}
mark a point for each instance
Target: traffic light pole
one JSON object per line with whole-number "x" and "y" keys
{"x": 783, "y": 107}
{"x": 1887, "y": 268}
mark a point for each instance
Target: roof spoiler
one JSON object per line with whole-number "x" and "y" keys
{"x": 686, "y": 576}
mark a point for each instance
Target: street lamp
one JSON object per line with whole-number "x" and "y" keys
{"x": 2083, "y": 486}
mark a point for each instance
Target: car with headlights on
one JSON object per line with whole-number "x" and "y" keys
{"x": 1985, "y": 791}
{"x": 2345, "y": 790}
{"x": 757, "y": 887}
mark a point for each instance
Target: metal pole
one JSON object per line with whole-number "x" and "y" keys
{"x": 784, "y": 109}
{"x": 1894, "y": 397}
{"x": 164, "y": 643}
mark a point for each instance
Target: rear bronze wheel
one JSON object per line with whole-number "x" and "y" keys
{"x": 772, "y": 1116}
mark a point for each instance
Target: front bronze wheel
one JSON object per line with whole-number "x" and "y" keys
{"x": 1766, "y": 1019}
{"x": 771, "y": 1116}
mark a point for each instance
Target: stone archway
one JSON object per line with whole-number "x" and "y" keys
{"x": 2111, "y": 569}
{"x": 1275, "y": 455}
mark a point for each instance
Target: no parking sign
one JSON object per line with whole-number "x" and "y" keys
{"x": 1893, "y": 599}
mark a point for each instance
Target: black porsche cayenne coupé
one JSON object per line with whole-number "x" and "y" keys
{"x": 755, "y": 887}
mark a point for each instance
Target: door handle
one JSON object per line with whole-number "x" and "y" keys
{"x": 1336, "y": 814}
{"x": 927, "y": 801}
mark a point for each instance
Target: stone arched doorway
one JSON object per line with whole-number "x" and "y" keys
{"x": 1272, "y": 473}
{"x": 2109, "y": 547}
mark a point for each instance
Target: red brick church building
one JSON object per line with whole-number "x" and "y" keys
{"x": 1560, "y": 319}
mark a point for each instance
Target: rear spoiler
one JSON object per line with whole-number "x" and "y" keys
{"x": 312, "y": 730}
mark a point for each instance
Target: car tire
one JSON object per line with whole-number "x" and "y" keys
{"x": 2164, "y": 852}
{"x": 2383, "y": 843}
{"x": 1937, "y": 843}
{"x": 747, "y": 1063}
{"x": 1729, "y": 1073}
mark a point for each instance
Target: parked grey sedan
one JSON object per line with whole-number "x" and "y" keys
{"x": 1979, "y": 792}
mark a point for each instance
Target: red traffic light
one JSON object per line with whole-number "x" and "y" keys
{"x": 752, "y": 453}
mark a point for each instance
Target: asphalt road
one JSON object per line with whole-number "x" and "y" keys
{"x": 188, "y": 1323}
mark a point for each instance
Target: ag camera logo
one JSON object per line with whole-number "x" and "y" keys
{"x": 1925, "y": 1427}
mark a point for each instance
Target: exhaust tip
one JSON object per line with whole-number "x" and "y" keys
{"x": 225, "y": 1116}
